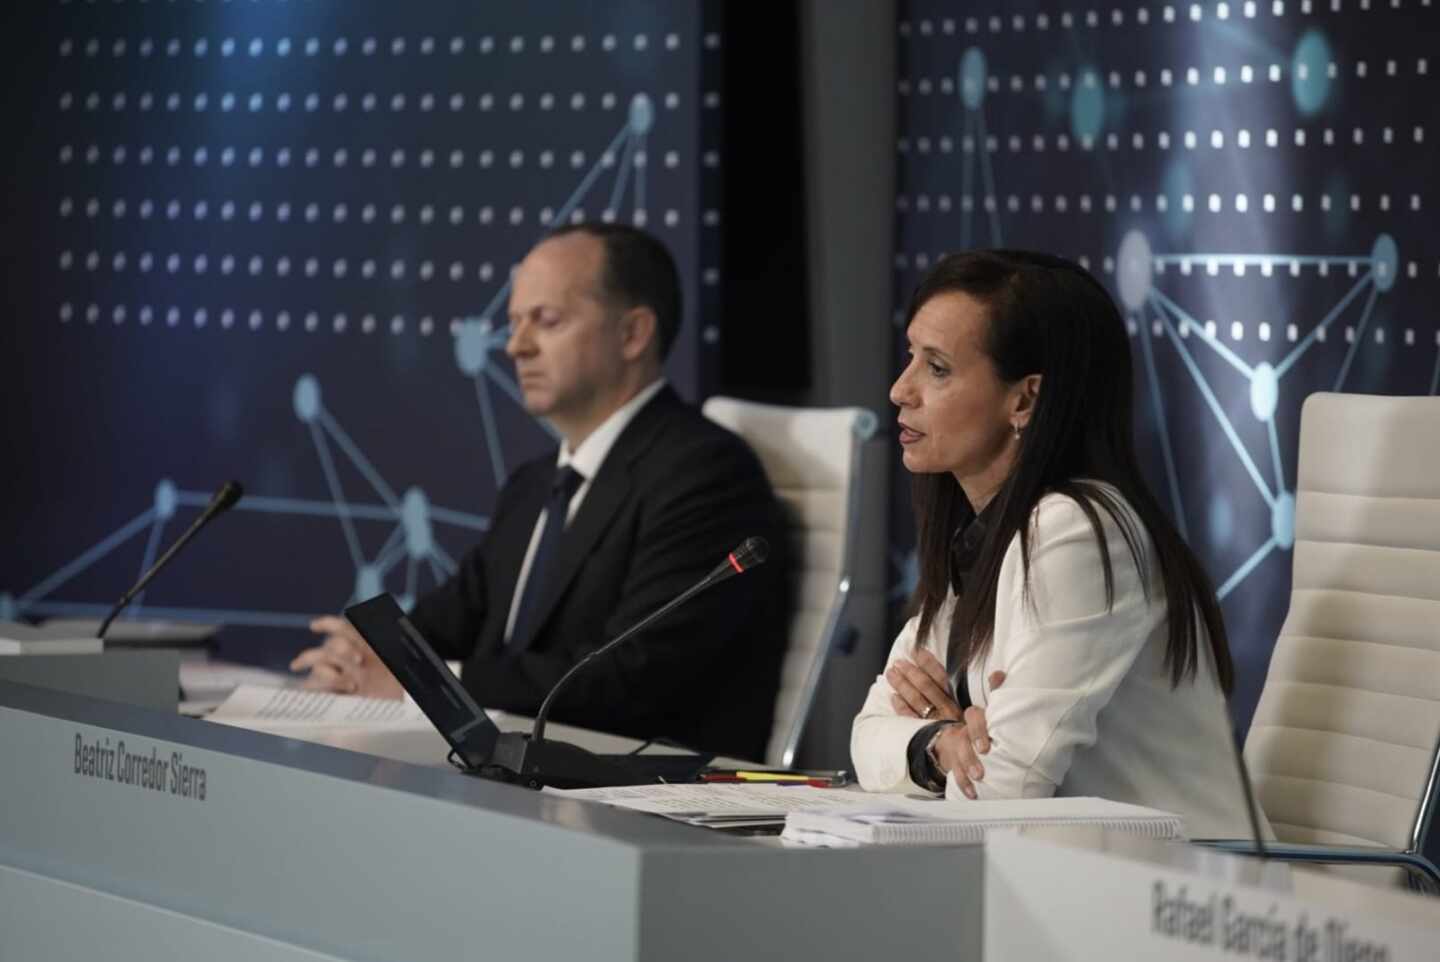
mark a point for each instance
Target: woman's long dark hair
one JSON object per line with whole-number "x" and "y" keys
{"x": 1048, "y": 316}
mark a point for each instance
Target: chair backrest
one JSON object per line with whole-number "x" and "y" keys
{"x": 1344, "y": 740}
{"x": 812, "y": 458}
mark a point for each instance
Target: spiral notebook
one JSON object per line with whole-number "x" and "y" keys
{"x": 910, "y": 821}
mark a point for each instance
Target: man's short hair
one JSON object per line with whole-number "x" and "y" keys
{"x": 638, "y": 272}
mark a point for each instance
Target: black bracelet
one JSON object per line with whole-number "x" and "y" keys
{"x": 923, "y": 771}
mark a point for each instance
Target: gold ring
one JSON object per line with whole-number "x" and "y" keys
{"x": 929, "y": 710}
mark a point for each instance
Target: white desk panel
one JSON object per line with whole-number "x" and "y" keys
{"x": 362, "y": 857}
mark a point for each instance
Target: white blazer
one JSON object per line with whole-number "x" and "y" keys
{"x": 1086, "y": 707}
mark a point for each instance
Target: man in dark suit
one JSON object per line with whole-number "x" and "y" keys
{"x": 652, "y": 495}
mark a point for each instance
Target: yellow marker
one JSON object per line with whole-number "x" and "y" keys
{"x": 772, "y": 777}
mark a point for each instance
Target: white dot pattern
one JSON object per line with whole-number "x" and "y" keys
{"x": 290, "y": 181}
{"x": 1016, "y": 131}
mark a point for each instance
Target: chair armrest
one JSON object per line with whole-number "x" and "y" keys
{"x": 1329, "y": 854}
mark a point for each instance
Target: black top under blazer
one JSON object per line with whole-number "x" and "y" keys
{"x": 675, "y": 494}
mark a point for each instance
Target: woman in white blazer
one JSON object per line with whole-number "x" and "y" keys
{"x": 1050, "y": 577}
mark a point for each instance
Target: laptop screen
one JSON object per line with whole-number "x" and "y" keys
{"x": 399, "y": 644}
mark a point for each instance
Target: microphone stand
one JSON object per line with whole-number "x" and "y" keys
{"x": 1251, "y": 808}
{"x": 224, "y": 499}
{"x": 532, "y": 761}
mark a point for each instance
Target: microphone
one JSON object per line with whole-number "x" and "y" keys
{"x": 538, "y": 762}
{"x": 752, "y": 552}
{"x": 224, "y": 500}
{"x": 1255, "y": 844}
{"x": 1251, "y": 809}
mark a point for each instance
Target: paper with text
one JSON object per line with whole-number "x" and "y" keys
{"x": 776, "y": 800}
{"x": 254, "y": 706}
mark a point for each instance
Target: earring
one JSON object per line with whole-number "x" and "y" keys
{"x": 1017, "y": 431}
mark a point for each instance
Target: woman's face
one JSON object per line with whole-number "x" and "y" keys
{"x": 956, "y": 414}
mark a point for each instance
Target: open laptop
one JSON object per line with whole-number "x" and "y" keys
{"x": 399, "y": 644}
{"x": 463, "y": 723}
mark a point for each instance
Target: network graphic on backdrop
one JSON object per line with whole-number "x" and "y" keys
{"x": 1141, "y": 268}
{"x": 1136, "y": 269}
{"x": 410, "y": 516}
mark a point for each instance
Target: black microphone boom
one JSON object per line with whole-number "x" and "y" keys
{"x": 1252, "y": 810}
{"x": 535, "y": 761}
{"x": 752, "y": 552}
{"x": 224, "y": 500}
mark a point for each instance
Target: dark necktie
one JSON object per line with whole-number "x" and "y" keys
{"x": 562, "y": 489}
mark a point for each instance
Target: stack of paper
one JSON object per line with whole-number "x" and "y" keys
{"x": 892, "y": 820}
{"x": 285, "y": 709}
{"x": 205, "y": 683}
{"x": 723, "y": 806}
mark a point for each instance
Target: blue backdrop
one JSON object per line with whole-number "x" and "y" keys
{"x": 272, "y": 241}
{"x": 1252, "y": 181}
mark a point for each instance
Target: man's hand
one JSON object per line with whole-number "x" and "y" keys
{"x": 958, "y": 747}
{"x": 344, "y": 663}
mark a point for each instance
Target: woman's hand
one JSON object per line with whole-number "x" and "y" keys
{"x": 922, "y": 688}
{"x": 958, "y": 747}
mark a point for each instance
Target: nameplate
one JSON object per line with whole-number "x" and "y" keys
{"x": 1077, "y": 903}
{"x": 135, "y": 763}
{"x": 1211, "y": 916}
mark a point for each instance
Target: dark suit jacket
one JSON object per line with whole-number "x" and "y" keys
{"x": 674, "y": 496}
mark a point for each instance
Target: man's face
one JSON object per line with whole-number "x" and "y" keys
{"x": 564, "y": 339}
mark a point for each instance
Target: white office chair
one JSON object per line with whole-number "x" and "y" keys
{"x": 812, "y": 458}
{"x": 1345, "y": 743}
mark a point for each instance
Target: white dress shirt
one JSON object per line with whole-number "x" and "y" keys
{"x": 585, "y": 459}
{"x": 1086, "y": 707}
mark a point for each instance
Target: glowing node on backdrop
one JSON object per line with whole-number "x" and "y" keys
{"x": 642, "y": 115}
{"x": 1087, "y": 106}
{"x": 1134, "y": 270}
{"x": 1282, "y": 520}
{"x": 367, "y": 582}
{"x": 307, "y": 398}
{"x": 472, "y": 346}
{"x": 972, "y": 78}
{"x": 1386, "y": 257}
{"x": 1309, "y": 72}
{"x": 415, "y": 516}
{"x": 165, "y": 499}
{"x": 1264, "y": 392}
{"x": 1221, "y": 520}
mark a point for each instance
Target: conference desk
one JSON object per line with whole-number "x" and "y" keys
{"x": 258, "y": 845}
{"x": 129, "y": 832}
